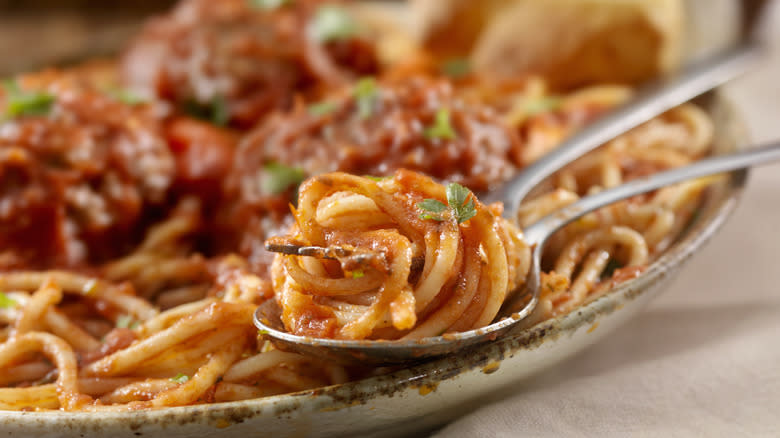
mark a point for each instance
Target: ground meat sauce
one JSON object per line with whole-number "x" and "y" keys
{"x": 247, "y": 57}
{"x": 392, "y": 132}
{"x": 204, "y": 157}
{"x": 372, "y": 128}
{"x": 77, "y": 176}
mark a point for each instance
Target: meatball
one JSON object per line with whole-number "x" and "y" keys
{"x": 239, "y": 59}
{"x": 374, "y": 128}
{"x": 77, "y": 169}
{"x": 204, "y": 156}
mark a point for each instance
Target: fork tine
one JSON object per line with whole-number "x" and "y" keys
{"x": 291, "y": 248}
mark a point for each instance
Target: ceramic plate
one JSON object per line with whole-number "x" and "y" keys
{"x": 428, "y": 395}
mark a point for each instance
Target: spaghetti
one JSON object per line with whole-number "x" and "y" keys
{"x": 131, "y": 234}
{"x": 464, "y": 274}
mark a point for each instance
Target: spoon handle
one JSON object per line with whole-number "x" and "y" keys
{"x": 541, "y": 230}
{"x": 655, "y": 99}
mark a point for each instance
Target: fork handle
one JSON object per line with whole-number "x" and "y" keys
{"x": 652, "y": 100}
{"x": 542, "y": 229}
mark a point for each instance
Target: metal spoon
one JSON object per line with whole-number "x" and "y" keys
{"x": 372, "y": 352}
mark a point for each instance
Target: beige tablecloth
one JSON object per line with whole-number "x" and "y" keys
{"x": 704, "y": 358}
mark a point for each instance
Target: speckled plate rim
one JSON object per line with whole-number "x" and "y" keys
{"x": 332, "y": 398}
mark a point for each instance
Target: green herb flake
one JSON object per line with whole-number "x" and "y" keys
{"x": 26, "y": 103}
{"x": 277, "y": 177}
{"x": 220, "y": 112}
{"x": 127, "y": 321}
{"x": 180, "y": 378}
{"x": 542, "y": 105}
{"x": 377, "y": 178}
{"x": 332, "y": 23}
{"x": 263, "y": 332}
{"x": 11, "y": 86}
{"x": 321, "y": 108}
{"x": 126, "y": 96}
{"x": 6, "y": 302}
{"x": 268, "y": 4}
{"x": 456, "y": 68}
{"x": 358, "y": 274}
{"x": 442, "y": 128}
{"x": 461, "y": 200}
{"x": 432, "y": 209}
{"x": 366, "y": 93}
{"x": 216, "y": 111}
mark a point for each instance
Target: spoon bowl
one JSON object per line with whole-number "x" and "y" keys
{"x": 376, "y": 352}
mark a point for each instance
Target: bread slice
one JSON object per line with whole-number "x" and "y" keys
{"x": 569, "y": 42}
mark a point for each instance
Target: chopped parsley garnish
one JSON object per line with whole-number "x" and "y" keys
{"x": 126, "y": 321}
{"x": 366, "y": 94}
{"x": 432, "y": 209}
{"x": 216, "y": 111}
{"x": 180, "y": 378}
{"x": 331, "y": 23}
{"x": 358, "y": 274}
{"x": 26, "y": 103}
{"x": 263, "y": 332}
{"x": 442, "y": 128}
{"x": 6, "y": 301}
{"x": 459, "y": 199}
{"x": 268, "y": 4}
{"x": 462, "y": 201}
{"x": 321, "y": 108}
{"x": 126, "y": 96}
{"x": 456, "y": 67}
{"x": 377, "y": 178}
{"x": 277, "y": 177}
{"x": 542, "y": 105}
{"x": 11, "y": 86}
